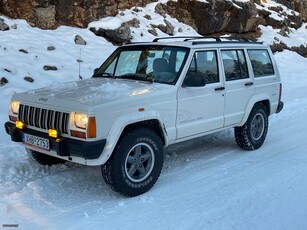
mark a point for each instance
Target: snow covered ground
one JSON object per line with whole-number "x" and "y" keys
{"x": 207, "y": 183}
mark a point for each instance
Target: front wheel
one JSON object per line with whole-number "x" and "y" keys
{"x": 252, "y": 134}
{"x": 136, "y": 163}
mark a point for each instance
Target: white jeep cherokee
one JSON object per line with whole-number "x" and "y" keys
{"x": 145, "y": 97}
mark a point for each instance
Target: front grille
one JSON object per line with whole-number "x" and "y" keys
{"x": 44, "y": 118}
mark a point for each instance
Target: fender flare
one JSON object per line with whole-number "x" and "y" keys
{"x": 253, "y": 100}
{"x": 117, "y": 129}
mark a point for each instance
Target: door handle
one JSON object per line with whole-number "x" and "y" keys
{"x": 219, "y": 88}
{"x": 249, "y": 83}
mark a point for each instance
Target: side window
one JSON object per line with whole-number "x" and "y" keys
{"x": 261, "y": 63}
{"x": 234, "y": 64}
{"x": 204, "y": 65}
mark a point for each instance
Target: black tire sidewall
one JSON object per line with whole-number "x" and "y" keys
{"x": 259, "y": 108}
{"x": 123, "y": 183}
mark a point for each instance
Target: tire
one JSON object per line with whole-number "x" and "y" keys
{"x": 135, "y": 164}
{"x": 44, "y": 159}
{"x": 252, "y": 134}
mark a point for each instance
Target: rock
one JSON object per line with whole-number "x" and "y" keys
{"x": 137, "y": 10}
{"x": 168, "y": 28}
{"x": 284, "y": 31}
{"x": 301, "y": 50}
{"x": 14, "y": 26}
{"x": 79, "y": 40}
{"x": 214, "y": 16}
{"x": 50, "y": 48}
{"x": 148, "y": 17}
{"x": 3, "y": 25}
{"x": 50, "y": 68}
{"x": 134, "y": 23}
{"x": 121, "y": 35}
{"x": 301, "y": 7}
{"x": 161, "y": 9}
{"x": 296, "y": 21}
{"x": 153, "y": 32}
{"x": 277, "y": 9}
{"x": 287, "y": 3}
{"x": 45, "y": 17}
{"x": 3, "y": 81}
{"x": 277, "y": 47}
{"x": 23, "y": 51}
{"x": 28, "y": 79}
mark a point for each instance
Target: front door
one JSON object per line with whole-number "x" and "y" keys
{"x": 201, "y": 97}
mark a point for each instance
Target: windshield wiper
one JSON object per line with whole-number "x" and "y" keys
{"x": 107, "y": 75}
{"x": 136, "y": 77}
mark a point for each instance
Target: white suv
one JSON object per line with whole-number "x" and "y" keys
{"x": 144, "y": 97}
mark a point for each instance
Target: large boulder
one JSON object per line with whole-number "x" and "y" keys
{"x": 214, "y": 16}
{"x": 121, "y": 35}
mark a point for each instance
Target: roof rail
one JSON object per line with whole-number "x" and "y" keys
{"x": 177, "y": 37}
{"x": 217, "y": 39}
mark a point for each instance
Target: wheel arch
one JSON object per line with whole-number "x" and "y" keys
{"x": 261, "y": 99}
{"x": 152, "y": 124}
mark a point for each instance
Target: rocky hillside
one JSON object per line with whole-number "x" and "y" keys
{"x": 230, "y": 16}
{"x": 207, "y": 17}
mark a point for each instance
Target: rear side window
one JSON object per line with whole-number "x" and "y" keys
{"x": 261, "y": 63}
{"x": 234, "y": 64}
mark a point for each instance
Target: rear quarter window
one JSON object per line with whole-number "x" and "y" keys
{"x": 261, "y": 63}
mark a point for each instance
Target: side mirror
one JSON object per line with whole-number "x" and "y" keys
{"x": 194, "y": 79}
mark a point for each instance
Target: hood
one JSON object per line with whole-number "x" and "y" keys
{"x": 91, "y": 91}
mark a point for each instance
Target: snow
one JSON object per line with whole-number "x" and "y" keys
{"x": 206, "y": 183}
{"x": 295, "y": 38}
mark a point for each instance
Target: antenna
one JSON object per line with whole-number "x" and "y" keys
{"x": 79, "y": 61}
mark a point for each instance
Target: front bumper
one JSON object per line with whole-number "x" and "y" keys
{"x": 64, "y": 147}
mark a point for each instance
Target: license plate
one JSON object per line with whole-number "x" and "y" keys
{"x": 37, "y": 142}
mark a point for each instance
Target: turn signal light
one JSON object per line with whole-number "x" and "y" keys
{"x": 53, "y": 133}
{"x": 91, "y": 128}
{"x": 20, "y": 124}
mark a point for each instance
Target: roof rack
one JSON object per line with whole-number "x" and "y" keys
{"x": 230, "y": 39}
{"x": 177, "y": 37}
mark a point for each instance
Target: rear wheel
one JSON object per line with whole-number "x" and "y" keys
{"x": 252, "y": 134}
{"x": 44, "y": 159}
{"x": 136, "y": 163}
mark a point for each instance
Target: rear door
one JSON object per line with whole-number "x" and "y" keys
{"x": 239, "y": 85}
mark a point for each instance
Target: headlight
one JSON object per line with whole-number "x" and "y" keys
{"x": 81, "y": 120}
{"x": 14, "y": 107}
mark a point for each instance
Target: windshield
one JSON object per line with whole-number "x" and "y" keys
{"x": 154, "y": 63}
